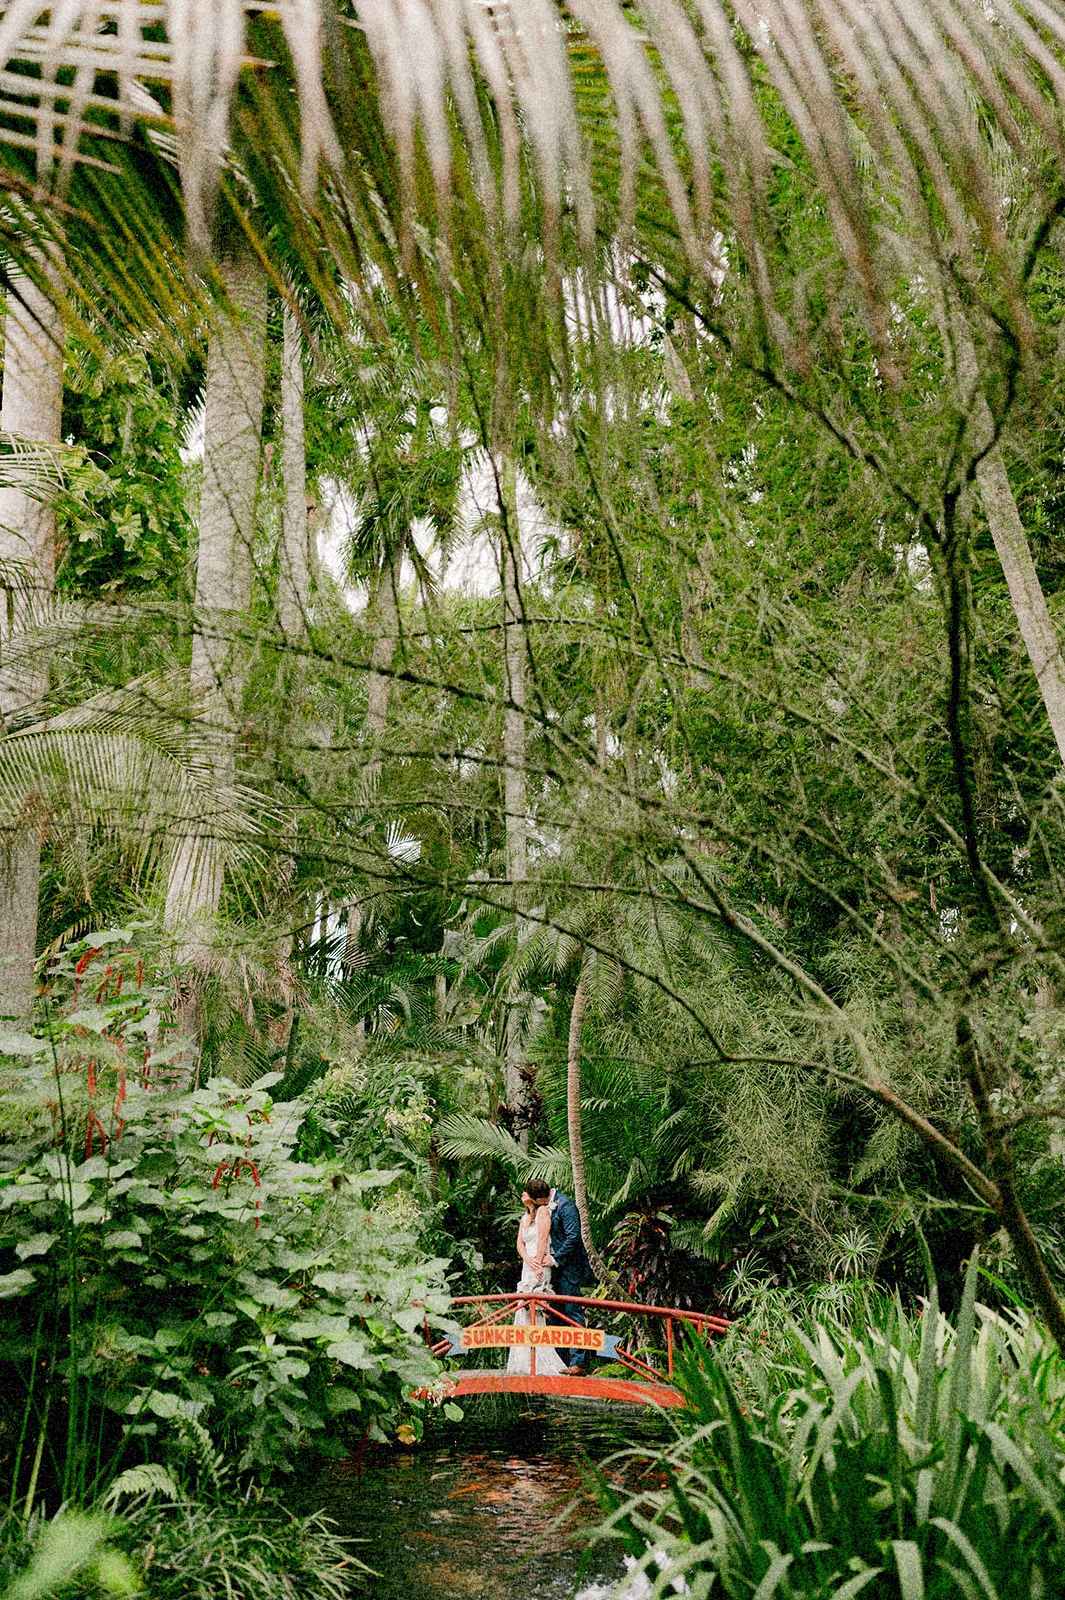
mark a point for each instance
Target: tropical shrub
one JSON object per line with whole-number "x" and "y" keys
{"x": 171, "y": 1268}
{"x": 248, "y": 1549}
{"x": 904, "y": 1459}
{"x": 71, "y": 1553}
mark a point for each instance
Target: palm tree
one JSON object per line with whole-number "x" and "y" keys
{"x": 1011, "y": 544}
{"x": 576, "y": 1134}
{"x": 294, "y": 577}
{"x": 121, "y": 763}
{"x": 515, "y": 797}
{"x": 849, "y": 82}
{"x": 31, "y": 409}
{"x": 233, "y": 405}
{"x": 402, "y": 470}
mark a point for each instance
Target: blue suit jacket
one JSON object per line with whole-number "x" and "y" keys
{"x": 567, "y": 1242}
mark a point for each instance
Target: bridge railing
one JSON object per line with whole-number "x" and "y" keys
{"x": 504, "y": 1307}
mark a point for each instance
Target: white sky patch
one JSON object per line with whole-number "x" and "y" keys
{"x": 191, "y": 447}
{"x": 473, "y": 564}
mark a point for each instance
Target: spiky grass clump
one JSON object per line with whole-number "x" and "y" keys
{"x": 184, "y": 1549}
{"x": 901, "y": 1460}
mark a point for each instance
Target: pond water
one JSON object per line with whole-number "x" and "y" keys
{"x": 491, "y": 1507}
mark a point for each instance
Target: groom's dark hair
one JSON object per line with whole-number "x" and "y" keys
{"x": 537, "y": 1189}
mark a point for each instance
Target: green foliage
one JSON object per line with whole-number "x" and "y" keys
{"x": 384, "y": 1112}
{"x": 170, "y": 1262}
{"x": 70, "y": 1554}
{"x": 899, "y": 1458}
{"x": 124, "y": 515}
{"x": 248, "y": 1548}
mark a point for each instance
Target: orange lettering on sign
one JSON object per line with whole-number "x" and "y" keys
{"x": 522, "y": 1334}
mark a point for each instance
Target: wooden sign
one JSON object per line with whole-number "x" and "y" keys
{"x": 509, "y": 1334}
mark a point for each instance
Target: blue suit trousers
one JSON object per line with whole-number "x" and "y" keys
{"x": 564, "y": 1282}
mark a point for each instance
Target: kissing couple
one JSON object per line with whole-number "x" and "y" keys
{"x": 554, "y": 1261}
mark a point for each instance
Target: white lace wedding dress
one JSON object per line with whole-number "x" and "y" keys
{"x": 549, "y": 1363}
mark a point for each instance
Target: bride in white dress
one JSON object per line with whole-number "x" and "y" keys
{"x": 534, "y": 1238}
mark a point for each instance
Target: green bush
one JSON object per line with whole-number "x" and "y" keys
{"x": 177, "y": 1549}
{"x": 68, "y": 1554}
{"x": 194, "y": 1550}
{"x": 905, "y": 1460}
{"x": 167, "y": 1262}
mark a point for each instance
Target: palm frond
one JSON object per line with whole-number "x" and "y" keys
{"x": 892, "y": 105}
{"x": 124, "y": 761}
{"x": 45, "y": 625}
{"x": 475, "y": 1138}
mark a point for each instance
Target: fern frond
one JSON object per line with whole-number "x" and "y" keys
{"x": 149, "y": 1479}
{"x": 202, "y": 1448}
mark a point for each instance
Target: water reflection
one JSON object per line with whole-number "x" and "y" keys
{"x": 487, "y": 1507}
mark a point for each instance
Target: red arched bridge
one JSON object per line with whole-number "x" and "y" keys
{"x": 496, "y": 1329}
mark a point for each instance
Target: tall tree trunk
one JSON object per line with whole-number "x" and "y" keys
{"x": 1011, "y": 544}
{"x": 384, "y": 620}
{"x": 385, "y": 623}
{"x": 514, "y": 778}
{"x": 236, "y": 362}
{"x": 1022, "y": 580}
{"x": 295, "y": 568}
{"x": 31, "y": 407}
{"x": 576, "y": 1137}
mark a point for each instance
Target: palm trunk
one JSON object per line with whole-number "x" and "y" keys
{"x": 236, "y": 362}
{"x": 576, "y": 1138}
{"x": 514, "y": 780}
{"x": 1011, "y": 545}
{"x": 385, "y": 623}
{"x": 32, "y": 408}
{"x": 1022, "y": 580}
{"x": 295, "y": 574}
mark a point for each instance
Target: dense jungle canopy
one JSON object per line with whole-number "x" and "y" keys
{"x": 534, "y": 548}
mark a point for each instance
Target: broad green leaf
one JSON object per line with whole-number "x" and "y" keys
{"x": 351, "y": 1352}
{"x": 323, "y": 1327}
{"x": 910, "y": 1569}
{"x": 163, "y": 1404}
{"x": 16, "y": 1043}
{"x": 14, "y": 1283}
{"x": 22, "y": 1194}
{"x": 339, "y": 1399}
{"x": 39, "y": 1245}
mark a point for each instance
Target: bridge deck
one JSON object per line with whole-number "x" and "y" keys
{"x": 562, "y": 1388}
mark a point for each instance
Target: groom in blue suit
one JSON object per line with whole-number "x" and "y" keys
{"x": 572, "y": 1267}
